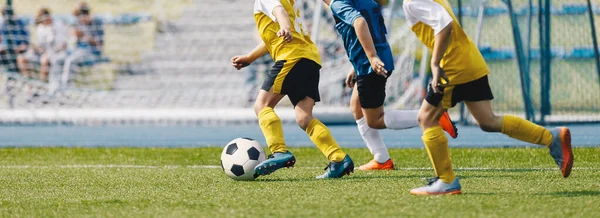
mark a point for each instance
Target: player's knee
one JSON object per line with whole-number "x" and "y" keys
{"x": 259, "y": 106}
{"x": 376, "y": 123}
{"x": 21, "y": 59}
{"x": 425, "y": 119}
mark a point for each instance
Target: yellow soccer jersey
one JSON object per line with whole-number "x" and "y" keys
{"x": 301, "y": 45}
{"x": 462, "y": 61}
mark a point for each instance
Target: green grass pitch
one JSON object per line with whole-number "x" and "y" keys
{"x": 184, "y": 182}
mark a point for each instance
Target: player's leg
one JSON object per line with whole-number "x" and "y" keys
{"x": 371, "y": 91}
{"x": 340, "y": 163}
{"x": 302, "y": 87}
{"x": 371, "y": 94}
{"x": 479, "y": 104}
{"x": 557, "y": 140}
{"x": 270, "y": 124}
{"x": 44, "y": 66}
{"x": 371, "y": 137}
{"x": 436, "y": 145}
{"x": 23, "y": 65}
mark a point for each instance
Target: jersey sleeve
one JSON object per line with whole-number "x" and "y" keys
{"x": 430, "y": 13}
{"x": 345, "y": 11}
{"x": 267, "y": 7}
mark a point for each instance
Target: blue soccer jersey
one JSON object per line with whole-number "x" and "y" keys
{"x": 344, "y": 13}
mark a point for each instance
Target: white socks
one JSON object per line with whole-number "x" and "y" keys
{"x": 373, "y": 140}
{"x": 401, "y": 119}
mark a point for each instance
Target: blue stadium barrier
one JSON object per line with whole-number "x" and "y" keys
{"x": 581, "y": 53}
{"x": 103, "y": 59}
{"x": 496, "y": 54}
{"x": 574, "y": 9}
{"x": 555, "y": 52}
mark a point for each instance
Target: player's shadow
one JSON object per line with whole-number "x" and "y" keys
{"x": 556, "y": 194}
{"x": 516, "y": 170}
{"x": 573, "y": 193}
{"x": 353, "y": 177}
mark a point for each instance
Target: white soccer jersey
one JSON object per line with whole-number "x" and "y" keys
{"x": 428, "y": 12}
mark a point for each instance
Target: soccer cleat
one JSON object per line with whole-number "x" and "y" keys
{"x": 436, "y": 186}
{"x": 560, "y": 149}
{"x": 276, "y": 161}
{"x": 448, "y": 126}
{"x": 374, "y": 165}
{"x": 338, "y": 169}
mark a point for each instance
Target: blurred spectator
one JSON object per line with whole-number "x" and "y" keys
{"x": 15, "y": 39}
{"x": 49, "y": 48}
{"x": 86, "y": 41}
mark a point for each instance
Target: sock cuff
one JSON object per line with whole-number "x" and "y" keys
{"x": 361, "y": 121}
{"x": 311, "y": 125}
{"x": 507, "y": 120}
{"x": 265, "y": 110}
{"x": 433, "y": 130}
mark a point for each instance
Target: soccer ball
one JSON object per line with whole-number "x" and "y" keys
{"x": 240, "y": 156}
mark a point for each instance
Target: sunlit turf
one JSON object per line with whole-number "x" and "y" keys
{"x": 176, "y": 182}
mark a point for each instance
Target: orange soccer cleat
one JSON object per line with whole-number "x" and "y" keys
{"x": 448, "y": 126}
{"x": 374, "y": 165}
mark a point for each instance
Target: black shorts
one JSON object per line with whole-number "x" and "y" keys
{"x": 297, "y": 78}
{"x": 476, "y": 90}
{"x": 371, "y": 90}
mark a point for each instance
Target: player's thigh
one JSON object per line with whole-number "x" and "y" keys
{"x": 266, "y": 99}
{"x": 371, "y": 94}
{"x": 301, "y": 81}
{"x": 355, "y": 104}
{"x": 477, "y": 95}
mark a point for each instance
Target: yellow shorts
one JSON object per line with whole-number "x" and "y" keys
{"x": 296, "y": 78}
{"x": 476, "y": 90}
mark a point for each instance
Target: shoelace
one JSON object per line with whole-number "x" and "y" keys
{"x": 430, "y": 181}
{"x": 328, "y": 166}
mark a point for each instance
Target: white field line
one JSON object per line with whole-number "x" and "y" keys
{"x": 101, "y": 166}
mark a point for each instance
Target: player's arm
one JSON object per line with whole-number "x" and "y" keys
{"x": 284, "y": 23}
{"x": 435, "y": 16}
{"x": 347, "y": 13}
{"x": 441, "y": 42}
{"x": 241, "y": 61}
{"x": 351, "y": 78}
{"x": 364, "y": 36}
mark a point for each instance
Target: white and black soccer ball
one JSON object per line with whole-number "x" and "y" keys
{"x": 240, "y": 156}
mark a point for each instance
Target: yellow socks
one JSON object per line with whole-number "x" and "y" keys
{"x": 436, "y": 144}
{"x": 270, "y": 124}
{"x": 526, "y": 131}
{"x": 321, "y": 136}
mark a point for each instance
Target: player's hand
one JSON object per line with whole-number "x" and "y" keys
{"x": 240, "y": 61}
{"x": 378, "y": 67}
{"x": 285, "y": 33}
{"x": 350, "y": 79}
{"x": 439, "y": 79}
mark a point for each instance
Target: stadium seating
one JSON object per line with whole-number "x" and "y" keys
{"x": 187, "y": 63}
